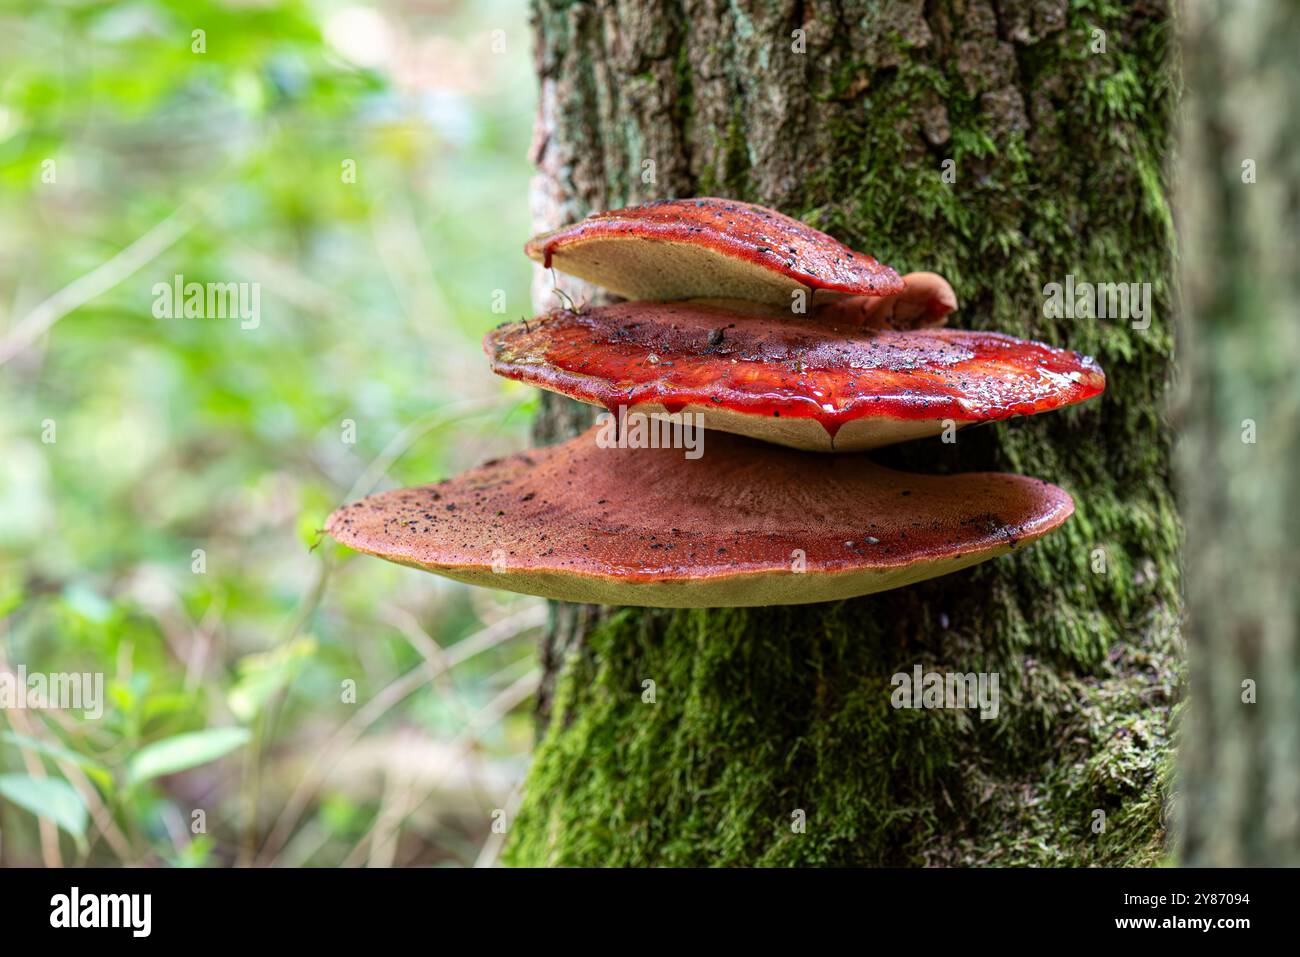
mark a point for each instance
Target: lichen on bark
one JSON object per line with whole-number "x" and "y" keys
{"x": 1058, "y": 156}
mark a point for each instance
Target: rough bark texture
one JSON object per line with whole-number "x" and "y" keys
{"x": 1241, "y": 444}
{"x": 1057, "y": 152}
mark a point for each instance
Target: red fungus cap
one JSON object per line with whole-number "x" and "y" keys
{"x": 745, "y": 524}
{"x": 802, "y": 382}
{"x": 692, "y": 248}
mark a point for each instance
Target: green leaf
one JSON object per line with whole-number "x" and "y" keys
{"x": 94, "y": 770}
{"x": 50, "y": 798}
{"x": 183, "y": 751}
{"x": 162, "y": 704}
{"x": 51, "y": 750}
{"x": 263, "y": 675}
{"x": 11, "y": 596}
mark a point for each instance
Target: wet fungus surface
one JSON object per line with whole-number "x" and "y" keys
{"x": 785, "y": 345}
{"x": 701, "y": 248}
{"x": 799, "y": 381}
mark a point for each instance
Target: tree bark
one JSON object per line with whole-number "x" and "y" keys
{"x": 1239, "y": 203}
{"x": 771, "y": 738}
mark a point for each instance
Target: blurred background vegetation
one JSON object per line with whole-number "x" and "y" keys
{"x": 164, "y": 480}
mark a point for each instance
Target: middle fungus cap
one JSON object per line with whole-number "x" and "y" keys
{"x": 809, "y": 382}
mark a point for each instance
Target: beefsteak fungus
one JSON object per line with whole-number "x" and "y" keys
{"x": 747, "y": 524}
{"x": 717, "y": 332}
{"x": 805, "y": 382}
{"x": 710, "y": 248}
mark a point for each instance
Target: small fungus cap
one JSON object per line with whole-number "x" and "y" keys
{"x": 744, "y": 524}
{"x": 926, "y": 300}
{"x": 710, "y": 248}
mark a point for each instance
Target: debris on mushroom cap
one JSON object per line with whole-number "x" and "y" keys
{"x": 803, "y": 382}
{"x": 745, "y": 524}
{"x": 693, "y": 248}
{"x": 926, "y": 301}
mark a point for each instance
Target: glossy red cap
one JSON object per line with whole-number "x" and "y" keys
{"x": 707, "y": 248}
{"x": 804, "y": 382}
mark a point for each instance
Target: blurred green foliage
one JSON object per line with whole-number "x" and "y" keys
{"x": 164, "y": 480}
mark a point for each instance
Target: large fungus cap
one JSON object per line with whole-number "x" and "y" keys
{"x": 745, "y": 524}
{"x": 803, "y": 382}
{"x": 706, "y": 248}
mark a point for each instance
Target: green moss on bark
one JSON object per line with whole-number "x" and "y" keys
{"x": 760, "y": 713}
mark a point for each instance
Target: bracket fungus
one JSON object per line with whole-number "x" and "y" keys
{"x": 764, "y": 516}
{"x": 804, "y": 382}
{"x": 710, "y": 248}
{"x": 747, "y": 524}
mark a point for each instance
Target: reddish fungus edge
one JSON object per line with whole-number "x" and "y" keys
{"x": 602, "y": 391}
{"x": 378, "y": 544}
{"x": 878, "y": 279}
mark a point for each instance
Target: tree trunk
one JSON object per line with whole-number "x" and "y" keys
{"x": 770, "y": 738}
{"x": 1239, "y": 202}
